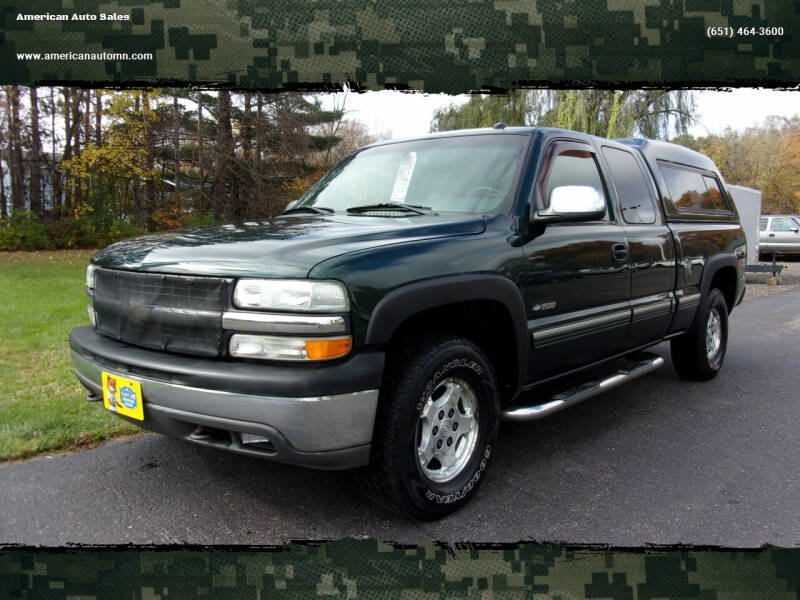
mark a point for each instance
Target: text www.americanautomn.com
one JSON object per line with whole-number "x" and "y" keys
{"x": 57, "y": 56}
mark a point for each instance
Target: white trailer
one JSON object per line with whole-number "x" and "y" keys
{"x": 748, "y": 204}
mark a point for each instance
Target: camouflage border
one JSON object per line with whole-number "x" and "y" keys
{"x": 367, "y": 568}
{"x": 425, "y": 45}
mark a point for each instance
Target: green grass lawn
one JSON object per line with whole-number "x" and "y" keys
{"x": 42, "y": 405}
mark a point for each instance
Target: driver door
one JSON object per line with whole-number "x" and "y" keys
{"x": 577, "y": 275}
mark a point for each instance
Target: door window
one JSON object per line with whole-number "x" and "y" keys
{"x": 633, "y": 188}
{"x": 570, "y": 163}
{"x": 783, "y": 224}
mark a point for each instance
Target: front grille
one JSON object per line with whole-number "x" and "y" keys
{"x": 175, "y": 313}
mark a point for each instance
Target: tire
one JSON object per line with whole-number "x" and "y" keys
{"x": 438, "y": 388}
{"x": 698, "y": 354}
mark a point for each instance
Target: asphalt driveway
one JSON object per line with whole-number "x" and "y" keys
{"x": 657, "y": 461}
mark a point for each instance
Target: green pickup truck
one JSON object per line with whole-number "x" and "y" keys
{"x": 417, "y": 295}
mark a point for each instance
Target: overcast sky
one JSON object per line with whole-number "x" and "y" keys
{"x": 409, "y": 114}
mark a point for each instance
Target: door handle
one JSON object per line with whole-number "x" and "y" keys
{"x": 771, "y": 235}
{"x": 620, "y": 252}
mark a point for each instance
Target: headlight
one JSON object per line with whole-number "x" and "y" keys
{"x": 303, "y": 295}
{"x": 90, "y": 276}
{"x": 272, "y": 347}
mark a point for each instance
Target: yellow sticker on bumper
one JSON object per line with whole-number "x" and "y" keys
{"x": 123, "y": 396}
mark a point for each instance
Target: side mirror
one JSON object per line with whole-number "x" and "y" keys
{"x": 573, "y": 203}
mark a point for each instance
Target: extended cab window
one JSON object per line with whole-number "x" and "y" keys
{"x": 714, "y": 194}
{"x": 690, "y": 190}
{"x": 762, "y": 224}
{"x": 632, "y": 185}
{"x": 568, "y": 163}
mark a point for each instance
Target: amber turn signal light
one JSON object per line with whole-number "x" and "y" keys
{"x": 327, "y": 348}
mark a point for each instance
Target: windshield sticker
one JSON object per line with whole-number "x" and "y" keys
{"x": 403, "y": 178}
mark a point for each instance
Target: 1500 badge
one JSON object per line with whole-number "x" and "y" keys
{"x": 543, "y": 306}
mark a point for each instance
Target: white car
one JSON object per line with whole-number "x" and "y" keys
{"x": 779, "y": 235}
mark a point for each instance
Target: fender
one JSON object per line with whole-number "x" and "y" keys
{"x": 714, "y": 264}
{"x": 406, "y": 301}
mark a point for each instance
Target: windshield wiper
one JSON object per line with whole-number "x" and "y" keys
{"x": 412, "y": 208}
{"x": 317, "y": 210}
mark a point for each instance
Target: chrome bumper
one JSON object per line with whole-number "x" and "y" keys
{"x": 329, "y": 432}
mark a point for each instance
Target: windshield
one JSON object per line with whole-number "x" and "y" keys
{"x": 472, "y": 174}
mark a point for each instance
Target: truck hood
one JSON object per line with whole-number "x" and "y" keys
{"x": 288, "y": 246}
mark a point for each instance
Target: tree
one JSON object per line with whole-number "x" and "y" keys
{"x": 246, "y": 169}
{"x": 337, "y": 114}
{"x": 148, "y": 117}
{"x": 764, "y": 157}
{"x": 782, "y": 190}
{"x": 112, "y": 154}
{"x": 659, "y": 114}
{"x": 202, "y": 206}
{"x": 176, "y": 140}
{"x": 223, "y": 152}
{"x": 35, "y": 162}
{"x": 71, "y": 108}
{"x": 258, "y": 159}
{"x": 515, "y": 108}
{"x": 621, "y": 113}
{"x": 77, "y": 120}
{"x": 98, "y": 115}
{"x": 16, "y": 166}
{"x": 58, "y": 183}
{"x": 353, "y": 135}
{"x": 116, "y": 167}
{"x": 87, "y": 115}
{"x": 3, "y": 197}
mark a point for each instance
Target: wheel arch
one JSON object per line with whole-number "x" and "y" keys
{"x": 447, "y": 304}
{"x": 721, "y": 272}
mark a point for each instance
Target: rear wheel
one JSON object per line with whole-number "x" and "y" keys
{"x": 436, "y": 428}
{"x": 698, "y": 354}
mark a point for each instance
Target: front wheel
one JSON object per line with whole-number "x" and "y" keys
{"x": 436, "y": 428}
{"x": 698, "y": 354}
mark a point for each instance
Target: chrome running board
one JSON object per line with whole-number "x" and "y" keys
{"x": 647, "y": 362}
